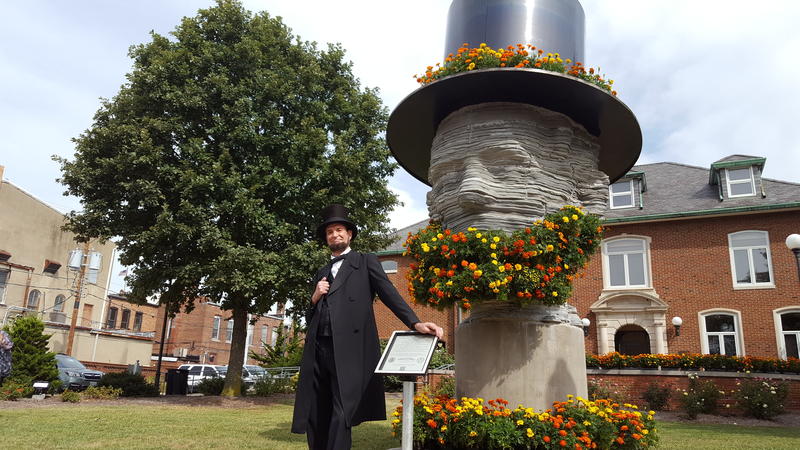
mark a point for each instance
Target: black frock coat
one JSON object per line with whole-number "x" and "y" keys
{"x": 355, "y": 340}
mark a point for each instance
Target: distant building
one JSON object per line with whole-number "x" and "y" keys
{"x": 204, "y": 335}
{"x": 702, "y": 244}
{"x": 35, "y": 278}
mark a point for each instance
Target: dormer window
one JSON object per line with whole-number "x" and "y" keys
{"x": 620, "y": 194}
{"x": 740, "y": 182}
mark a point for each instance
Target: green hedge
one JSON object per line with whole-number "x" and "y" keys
{"x": 694, "y": 361}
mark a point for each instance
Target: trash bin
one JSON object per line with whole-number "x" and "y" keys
{"x": 177, "y": 380}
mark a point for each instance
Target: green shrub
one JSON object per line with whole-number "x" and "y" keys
{"x": 30, "y": 356}
{"x": 70, "y": 396}
{"x": 656, "y": 396}
{"x": 55, "y": 387}
{"x": 130, "y": 384}
{"x": 16, "y": 388}
{"x": 762, "y": 399}
{"x": 446, "y": 387}
{"x": 102, "y": 392}
{"x": 269, "y": 386}
{"x": 599, "y": 389}
{"x": 699, "y": 397}
{"x": 211, "y": 386}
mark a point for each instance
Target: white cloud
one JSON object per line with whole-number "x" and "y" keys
{"x": 412, "y": 210}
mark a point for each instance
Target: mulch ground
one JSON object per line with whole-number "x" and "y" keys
{"x": 784, "y": 420}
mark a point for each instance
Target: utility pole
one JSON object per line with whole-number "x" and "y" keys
{"x": 76, "y": 305}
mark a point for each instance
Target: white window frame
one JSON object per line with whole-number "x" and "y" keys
{"x": 751, "y": 181}
{"x": 648, "y": 274}
{"x": 59, "y": 307}
{"x": 737, "y": 332}
{"x": 216, "y": 325}
{"x": 39, "y": 299}
{"x": 264, "y": 331}
{"x": 388, "y": 270}
{"x": 229, "y": 330}
{"x": 779, "y": 333}
{"x": 4, "y": 286}
{"x": 753, "y": 284}
{"x": 611, "y": 195}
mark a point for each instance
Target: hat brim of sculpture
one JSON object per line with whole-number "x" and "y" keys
{"x": 413, "y": 124}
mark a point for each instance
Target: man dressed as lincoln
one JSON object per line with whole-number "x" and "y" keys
{"x": 337, "y": 388}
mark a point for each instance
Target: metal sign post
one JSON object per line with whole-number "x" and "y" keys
{"x": 407, "y": 355}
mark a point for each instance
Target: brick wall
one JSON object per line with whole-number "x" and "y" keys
{"x": 193, "y": 332}
{"x": 691, "y": 271}
{"x": 629, "y": 385}
{"x": 387, "y": 322}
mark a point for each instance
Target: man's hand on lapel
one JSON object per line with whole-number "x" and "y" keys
{"x": 322, "y": 288}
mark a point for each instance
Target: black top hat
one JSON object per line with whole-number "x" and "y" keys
{"x": 335, "y": 214}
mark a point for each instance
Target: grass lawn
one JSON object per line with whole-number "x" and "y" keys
{"x": 136, "y": 426}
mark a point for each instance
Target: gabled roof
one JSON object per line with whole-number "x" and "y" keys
{"x": 679, "y": 190}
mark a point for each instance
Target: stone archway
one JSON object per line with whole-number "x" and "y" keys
{"x": 632, "y": 340}
{"x": 642, "y": 310}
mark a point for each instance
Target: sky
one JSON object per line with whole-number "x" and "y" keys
{"x": 706, "y": 79}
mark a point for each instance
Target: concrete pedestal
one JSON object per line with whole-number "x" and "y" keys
{"x": 529, "y": 355}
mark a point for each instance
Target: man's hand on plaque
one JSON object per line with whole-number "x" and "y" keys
{"x": 429, "y": 328}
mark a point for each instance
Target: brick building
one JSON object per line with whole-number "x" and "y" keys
{"x": 705, "y": 245}
{"x": 204, "y": 335}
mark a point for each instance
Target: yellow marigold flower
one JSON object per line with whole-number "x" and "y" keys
{"x": 495, "y": 262}
{"x": 396, "y": 421}
{"x": 493, "y": 246}
{"x": 449, "y": 283}
{"x": 574, "y": 217}
{"x": 396, "y": 414}
{"x": 478, "y": 273}
{"x": 566, "y": 266}
{"x": 444, "y": 428}
{"x": 529, "y": 432}
{"x": 477, "y": 235}
{"x": 493, "y": 255}
{"x": 471, "y": 229}
{"x": 496, "y": 238}
{"x": 555, "y": 293}
{"x": 518, "y": 266}
{"x": 549, "y": 247}
{"x": 440, "y": 235}
{"x": 472, "y": 434}
{"x": 471, "y": 66}
{"x": 433, "y": 239}
{"x": 565, "y": 219}
{"x": 501, "y": 269}
{"x": 483, "y": 240}
{"x": 644, "y": 431}
{"x": 586, "y": 423}
{"x": 492, "y": 285}
{"x": 425, "y": 247}
{"x": 519, "y": 422}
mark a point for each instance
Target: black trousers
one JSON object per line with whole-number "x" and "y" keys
{"x": 326, "y": 424}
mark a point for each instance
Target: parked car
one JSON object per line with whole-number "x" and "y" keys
{"x": 74, "y": 375}
{"x": 199, "y": 372}
{"x": 251, "y": 374}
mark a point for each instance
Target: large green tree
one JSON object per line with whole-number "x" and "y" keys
{"x": 211, "y": 165}
{"x": 30, "y": 358}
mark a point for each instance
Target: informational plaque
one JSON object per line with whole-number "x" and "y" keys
{"x": 407, "y": 353}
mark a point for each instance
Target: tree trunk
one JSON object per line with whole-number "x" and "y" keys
{"x": 233, "y": 380}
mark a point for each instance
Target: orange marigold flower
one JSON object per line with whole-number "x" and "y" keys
{"x": 562, "y": 432}
{"x": 546, "y": 439}
{"x": 562, "y": 443}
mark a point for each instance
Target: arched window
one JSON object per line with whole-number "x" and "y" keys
{"x": 58, "y": 306}
{"x": 721, "y": 333}
{"x": 751, "y": 263}
{"x": 33, "y": 299}
{"x": 626, "y": 263}
{"x": 787, "y": 323}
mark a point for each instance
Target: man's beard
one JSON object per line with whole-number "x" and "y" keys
{"x": 338, "y": 246}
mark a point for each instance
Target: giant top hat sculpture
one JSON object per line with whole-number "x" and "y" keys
{"x": 500, "y": 147}
{"x": 555, "y": 25}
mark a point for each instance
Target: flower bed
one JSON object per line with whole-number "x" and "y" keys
{"x": 694, "y": 361}
{"x": 533, "y": 265}
{"x": 443, "y": 422}
{"x": 520, "y": 56}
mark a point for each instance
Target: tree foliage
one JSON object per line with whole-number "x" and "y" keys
{"x": 212, "y": 162}
{"x": 30, "y": 358}
{"x": 286, "y": 351}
